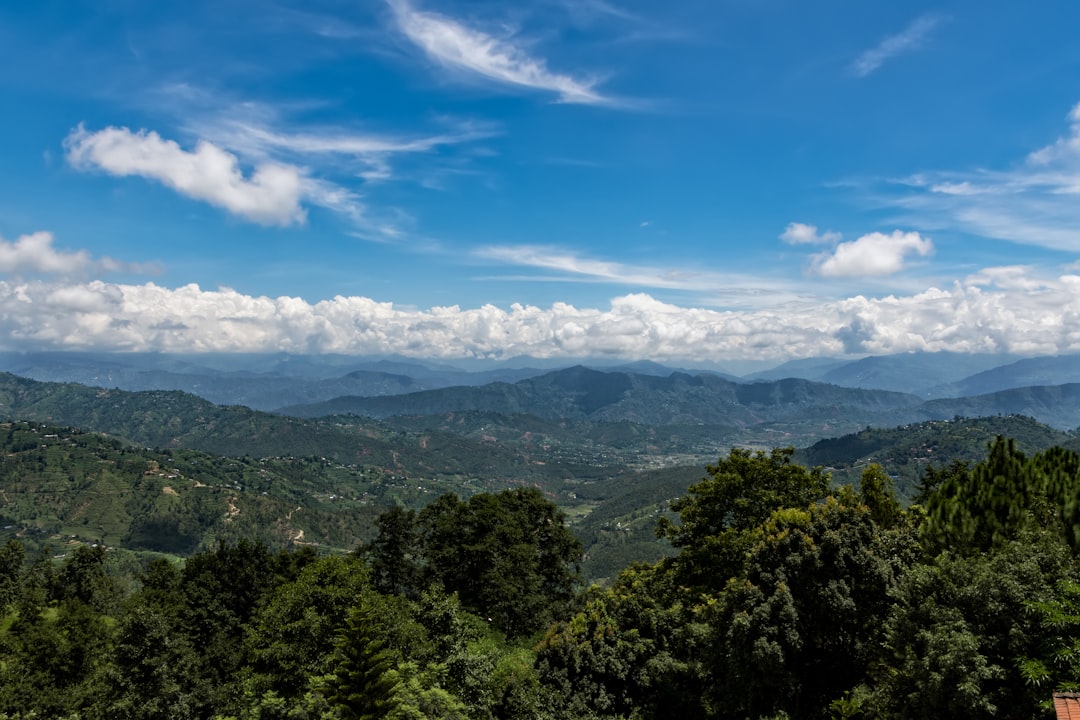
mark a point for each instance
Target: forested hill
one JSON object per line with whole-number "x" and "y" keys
{"x": 67, "y": 487}
{"x": 582, "y": 393}
{"x": 171, "y": 419}
{"x": 1056, "y": 405}
{"x": 799, "y": 407}
{"x": 907, "y": 451}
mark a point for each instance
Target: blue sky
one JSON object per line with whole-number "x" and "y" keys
{"x": 728, "y": 180}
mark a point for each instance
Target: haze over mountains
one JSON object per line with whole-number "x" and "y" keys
{"x": 271, "y": 381}
{"x": 811, "y": 398}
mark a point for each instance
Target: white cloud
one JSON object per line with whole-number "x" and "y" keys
{"x": 270, "y": 196}
{"x": 466, "y": 49}
{"x": 1066, "y": 148}
{"x": 320, "y": 166}
{"x": 801, "y": 234}
{"x": 997, "y": 310}
{"x": 34, "y": 254}
{"x": 1034, "y": 203}
{"x": 910, "y": 39}
{"x": 872, "y": 255}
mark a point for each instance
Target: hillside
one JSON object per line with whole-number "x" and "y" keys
{"x": 906, "y": 451}
{"x": 163, "y": 419}
{"x": 261, "y": 382}
{"x": 921, "y": 373}
{"x": 65, "y": 487}
{"x": 1055, "y": 405}
{"x": 580, "y": 393}
{"x": 62, "y": 485}
{"x": 614, "y": 479}
{"x": 1053, "y": 370}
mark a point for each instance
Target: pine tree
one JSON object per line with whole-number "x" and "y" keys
{"x": 364, "y": 685}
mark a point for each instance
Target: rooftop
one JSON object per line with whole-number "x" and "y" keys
{"x": 1067, "y": 705}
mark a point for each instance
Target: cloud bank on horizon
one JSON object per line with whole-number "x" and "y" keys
{"x": 998, "y": 310}
{"x": 552, "y": 179}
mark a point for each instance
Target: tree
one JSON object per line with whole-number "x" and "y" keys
{"x": 877, "y": 492}
{"x": 83, "y": 578}
{"x": 153, "y": 673}
{"x": 1004, "y": 496}
{"x": 633, "y": 648}
{"x": 960, "y": 628}
{"x": 738, "y": 494}
{"x": 291, "y": 639}
{"x": 52, "y": 660}
{"x": 12, "y": 557}
{"x": 508, "y": 556}
{"x": 363, "y": 685}
{"x": 221, "y": 591}
{"x": 1055, "y": 665}
{"x": 394, "y": 553}
{"x": 801, "y": 625}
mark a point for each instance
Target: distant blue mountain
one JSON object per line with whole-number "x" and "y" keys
{"x": 1048, "y": 370}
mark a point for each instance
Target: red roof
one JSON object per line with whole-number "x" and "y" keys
{"x": 1067, "y": 706}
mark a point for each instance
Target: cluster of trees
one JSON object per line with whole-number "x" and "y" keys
{"x": 785, "y": 597}
{"x": 788, "y": 599}
{"x": 245, "y": 632}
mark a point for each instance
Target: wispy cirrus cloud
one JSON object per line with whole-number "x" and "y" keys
{"x": 729, "y": 289}
{"x": 505, "y": 60}
{"x": 257, "y": 130}
{"x": 1033, "y": 203}
{"x": 909, "y": 39}
{"x": 260, "y": 136}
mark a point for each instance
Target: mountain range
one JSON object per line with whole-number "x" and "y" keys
{"x": 273, "y": 381}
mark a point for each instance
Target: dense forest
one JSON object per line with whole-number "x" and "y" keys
{"x": 786, "y": 597}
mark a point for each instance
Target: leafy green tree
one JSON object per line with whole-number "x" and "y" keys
{"x": 221, "y": 591}
{"x": 422, "y": 698}
{"x": 291, "y": 639}
{"x": 53, "y": 660}
{"x": 877, "y": 492}
{"x": 632, "y": 649}
{"x": 153, "y": 672}
{"x": 960, "y": 628}
{"x": 38, "y": 584}
{"x": 12, "y": 557}
{"x": 1055, "y": 665}
{"x": 162, "y": 590}
{"x": 800, "y": 627}
{"x": 394, "y": 554}
{"x": 509, "y": 556}
{"x": 83, "y": 578}
{"x": 738, "y": 494}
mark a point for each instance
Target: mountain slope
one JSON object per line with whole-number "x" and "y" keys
{"x": 1055, "y": 405}
{"x": 906, "y": 451}
{"x": 581, "y": 393}
{"x": 266, "y": 383}
{"x": 917, "y": 373}
{"x": 178, "y": 420}
{"x": 1051, "y": 370}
